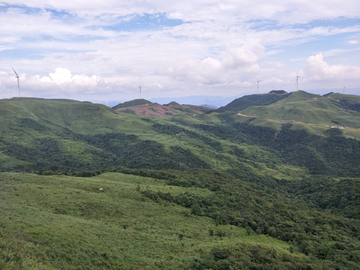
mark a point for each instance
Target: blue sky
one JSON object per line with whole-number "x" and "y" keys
{"x": 102, "y": 50}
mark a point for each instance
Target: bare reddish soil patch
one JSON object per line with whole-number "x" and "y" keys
{"x": 159, "y": 110}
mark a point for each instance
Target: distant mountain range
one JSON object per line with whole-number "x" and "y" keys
{"x": 75, "y": 131}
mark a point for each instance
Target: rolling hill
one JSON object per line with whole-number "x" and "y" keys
{"x": 271, "y": 187}
{"x": 145, "y": 107}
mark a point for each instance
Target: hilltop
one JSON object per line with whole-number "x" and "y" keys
{"x": 305, "y": 110}
{"x": 254, "y": 100}
{"x": 145, "y": 107}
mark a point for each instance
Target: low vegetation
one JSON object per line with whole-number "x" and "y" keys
{"x": 83, "y": 186}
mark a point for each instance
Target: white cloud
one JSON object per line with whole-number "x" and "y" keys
{"x": 286, "y": 12}
{"x": 317, "y": 69}
{"x": 63, "y": 76}
{"x": 222, "y": 46}
{"x": 236, "y": 65}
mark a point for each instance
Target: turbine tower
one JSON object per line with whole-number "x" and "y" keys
{"x": 258, "y": 86}
{"x": 140, "y": 88}
{"x": 17, "y": 77}
{"x": 297, "y": 82}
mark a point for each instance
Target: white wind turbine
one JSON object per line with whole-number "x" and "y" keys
{"x": 297, "y": 82}
{"x": 140, "y": 88}
{"x": 258, "y": 86}
{"x": 17, "y": 77}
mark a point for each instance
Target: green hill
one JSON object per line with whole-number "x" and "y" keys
{"x": 72, "y": 136}
{"x": 301, "y": 107}
{"x": 131, "y": 103}
{"x": 214, "y": 190}
{"x": 253, "y": 100}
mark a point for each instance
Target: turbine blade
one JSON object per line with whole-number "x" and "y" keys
{"x": 15, "y": 72}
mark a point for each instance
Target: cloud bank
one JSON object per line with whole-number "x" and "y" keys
{"x": 90, "y": 49}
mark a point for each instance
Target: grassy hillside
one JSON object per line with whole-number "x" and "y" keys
{"x": 71, "y": 136}
{"x": 74, "y": 136}
{"x": 59, "y": 222}
{"x": 253, "y": 100}
{"x": 62, "y": 222}
{"x": 184, "y": 191}
{"x": 312, "y": 110}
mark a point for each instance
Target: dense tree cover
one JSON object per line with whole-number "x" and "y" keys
{"x": 342, "y": 198}
{"x": 254, "y": 257}
{"x": 278, "y": 212}
{"x": 112, "y": 149}
{"x": 332, "y": 155}
{"x": 350, "y": 104}
{"x": 31, "y": 123}
{"x": 167, "y": 129}
{"x": 45, "y": 155}
{"x": 175, "y": 130}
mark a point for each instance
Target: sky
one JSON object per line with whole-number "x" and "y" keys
{"x": 103, "y": 50}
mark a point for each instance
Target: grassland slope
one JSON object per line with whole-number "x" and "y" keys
{"x": 253, "y": 100}
{"x": 302, "y": 107}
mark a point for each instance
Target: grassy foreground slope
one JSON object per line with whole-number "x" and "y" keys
{"x": 61, "y": 222}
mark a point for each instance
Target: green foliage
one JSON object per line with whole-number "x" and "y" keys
{"x": 340, "y": 197}
{"x": 175, "y": 130}
{"x": 311, "y": 110}
{"x": 62, "y": 222}
{"x": 216, "y": 190}
{"x": 332, "y": 155}
{"x": 278, "y": 213}
{"x": 254, "y": 257}
{"x": 167, "y": 129}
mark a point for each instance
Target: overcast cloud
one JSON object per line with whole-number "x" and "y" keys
{"x": 103, "y": 50}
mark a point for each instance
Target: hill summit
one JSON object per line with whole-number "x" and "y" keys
{"x": 254, "y": 100}
{"x": 145, "y": 107}
{"x": 135, "y": 102}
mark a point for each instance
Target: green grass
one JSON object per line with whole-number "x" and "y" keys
{"x": 61, "y": 222}
{"x": 131, "y": 103}
{"x": 304, "y": 108}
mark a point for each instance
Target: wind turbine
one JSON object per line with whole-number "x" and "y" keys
{"x": 258, "y": 86}
{"x": 17, "y": 77}
{"x": 140, "y": 88}
{"x": 297, "y": 82}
